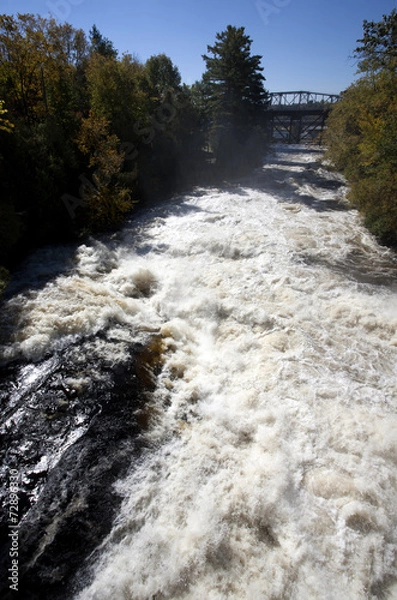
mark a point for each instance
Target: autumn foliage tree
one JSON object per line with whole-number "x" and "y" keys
{"x": 105, "y": 196}
{"x": 86, "y": 133}
{"x": 71, "y": 111}
{"x": 40, "y": 63}
{"x": 362, "y": 129}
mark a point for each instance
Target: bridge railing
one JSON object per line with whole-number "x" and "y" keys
{"x": 301, "y": 99}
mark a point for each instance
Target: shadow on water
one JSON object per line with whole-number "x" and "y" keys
{"x": 358, "y": 267}
{"x": 289, "y": 180}
{"x": 40, "y": 267}
{"x": 35, "y": 272}
{"x": 296, "y": 149}
{"x": 288, "y": 163}
{"x": 279, "y": 178}
{"x": 135, "y": 236}
{"x": 177, "y": 205}
{"x": 233, "y": 188}
{"x": 46, "y": 265}
{"x": 97, "y": 430}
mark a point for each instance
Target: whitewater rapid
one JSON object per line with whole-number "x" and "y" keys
{"x": 270, "y": 471}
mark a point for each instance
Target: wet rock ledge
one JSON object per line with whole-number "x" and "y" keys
{"x": 66, "y": 510}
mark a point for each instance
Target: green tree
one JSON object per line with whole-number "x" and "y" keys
{"x": 115, "y": 89}
{"x": 378, "y": 46}
{"x": 75, "y": 118}
{"x": 162, "y": 74}
{"x": 100, "y": 44}
{"x": 39, "y": 62}
{"x": 236, "y": 96}
{"x": 361, "y": 132}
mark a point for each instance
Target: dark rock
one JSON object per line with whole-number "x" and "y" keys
{"x": 66, "y": 509}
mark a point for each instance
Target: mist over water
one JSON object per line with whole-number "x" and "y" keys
{"x": 272, "y": 446}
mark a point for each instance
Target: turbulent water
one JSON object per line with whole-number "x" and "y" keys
{"x": 270, "y": 463}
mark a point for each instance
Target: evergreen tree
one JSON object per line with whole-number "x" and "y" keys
{"x": 101, "y": 45}
{"x": 236, "y": 96}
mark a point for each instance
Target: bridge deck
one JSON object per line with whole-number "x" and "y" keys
{"x": 295, "y": 117}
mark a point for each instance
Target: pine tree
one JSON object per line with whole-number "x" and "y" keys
{"x": 237, "y": 98}
{"x": 101, "y": 45}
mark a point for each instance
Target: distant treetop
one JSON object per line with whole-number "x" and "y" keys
{"x": 378, "y": 47}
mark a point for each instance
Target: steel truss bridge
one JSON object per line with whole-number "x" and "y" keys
{"x": 298, "y": 117}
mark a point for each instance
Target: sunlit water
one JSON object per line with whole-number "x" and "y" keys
{"x": 271, "y": 469}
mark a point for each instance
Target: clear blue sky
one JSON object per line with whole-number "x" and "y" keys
{"x": 305, "y": 44}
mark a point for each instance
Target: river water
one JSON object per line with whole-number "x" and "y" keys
{"x": 269, "y": 462}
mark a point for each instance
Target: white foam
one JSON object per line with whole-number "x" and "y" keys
{"x": 273, "y": 468}
{"x": 279, "y": 480}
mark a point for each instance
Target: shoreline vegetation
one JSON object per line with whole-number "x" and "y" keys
{"x": 87, "y": 135}
{"x": 361, "y": 136}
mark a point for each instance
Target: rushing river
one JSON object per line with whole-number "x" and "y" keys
{"x": 267, "y": 465}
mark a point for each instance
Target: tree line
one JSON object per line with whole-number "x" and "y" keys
{"x": 86, "y": 134}
{"x": 362, "y": 129}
